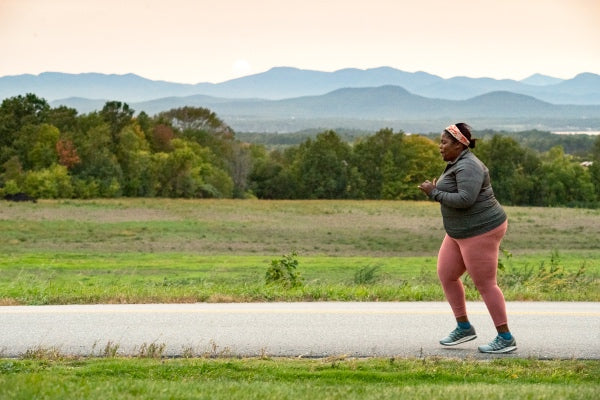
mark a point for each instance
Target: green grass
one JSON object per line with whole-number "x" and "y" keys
{"x": 160, "y": 250}
{"x": 255, "y": 227}
{"x": 67, "y": 278}
{"x": 332, "y": 378}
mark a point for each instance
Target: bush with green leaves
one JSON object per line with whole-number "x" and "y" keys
{"x": 284, "y": 271}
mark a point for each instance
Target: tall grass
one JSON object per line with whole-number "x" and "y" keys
{"x": 56, "y": 278}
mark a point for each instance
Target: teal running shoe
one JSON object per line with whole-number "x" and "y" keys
{"x": 499, "y": 346}
{"x": 459, "y": 336}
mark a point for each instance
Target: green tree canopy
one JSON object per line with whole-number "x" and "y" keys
{"x": 190, "y": 152}
{"x": 322, "y": 169}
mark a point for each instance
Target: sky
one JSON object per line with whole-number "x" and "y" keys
{"x": 193, "y": 41}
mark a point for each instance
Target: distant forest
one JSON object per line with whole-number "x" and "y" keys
{"x": 578, "y": 145}
{"x": 190, "y": 152}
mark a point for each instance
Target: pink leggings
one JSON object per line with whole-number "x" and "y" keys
{"x": 478, "y": 256}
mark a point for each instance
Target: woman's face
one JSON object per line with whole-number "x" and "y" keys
{"x": 449, "y": 148}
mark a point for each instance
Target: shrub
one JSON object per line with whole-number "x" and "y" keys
{"x": 49, "y": 183}
{"x": 10, "y": 187}
{"x": 284, "y": 271}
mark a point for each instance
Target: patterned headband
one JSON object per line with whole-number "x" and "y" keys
{"x": 454, "y": 131}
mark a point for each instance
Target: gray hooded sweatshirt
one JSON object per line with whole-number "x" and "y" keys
{"x": 469, "y": 207}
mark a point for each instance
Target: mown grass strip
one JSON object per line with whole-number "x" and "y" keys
{"x": 335, "y": 377}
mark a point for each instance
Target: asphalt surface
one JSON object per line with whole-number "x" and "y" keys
{"x": 543, "y": 330}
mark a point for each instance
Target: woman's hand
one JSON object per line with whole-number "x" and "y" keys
{"x": 427, "y": 186}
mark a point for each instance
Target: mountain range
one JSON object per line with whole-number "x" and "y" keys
{"x": 286, "y": 82}
{"x": 289, "y": 99}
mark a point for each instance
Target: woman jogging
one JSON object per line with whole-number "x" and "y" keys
{"x": 475, "y": 224}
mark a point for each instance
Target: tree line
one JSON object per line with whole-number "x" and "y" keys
{"x": 189, "y": 152}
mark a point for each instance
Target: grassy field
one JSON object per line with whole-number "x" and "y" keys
{"x": 297, "y": 379}
{"x": 250, "y": 227}
{"x": 160, "y": 250}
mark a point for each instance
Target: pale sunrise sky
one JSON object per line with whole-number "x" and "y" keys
{"x": 212, "y": 41}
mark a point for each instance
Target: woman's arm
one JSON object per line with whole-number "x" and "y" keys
{"x": 469, "y": 177}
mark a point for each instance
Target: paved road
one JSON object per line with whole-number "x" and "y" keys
{"x": 403, "y": 329}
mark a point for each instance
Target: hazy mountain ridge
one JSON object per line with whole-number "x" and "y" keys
{"x": 540, "y": 80}
{"x": 286, "y": 82}
{"x": 372, "y": 108}
{"x": 384, "y": 102}
{"x": 349, "y": 98}
{"x": 57, "y": 85}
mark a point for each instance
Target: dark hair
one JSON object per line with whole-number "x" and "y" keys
{"x": 466, "y": 131}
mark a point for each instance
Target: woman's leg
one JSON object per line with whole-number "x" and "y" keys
{"x": 480, "y": 254}
{"x": 450, "y": 267}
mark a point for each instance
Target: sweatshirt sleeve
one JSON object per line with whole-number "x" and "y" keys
{"x": 469, "y": 177}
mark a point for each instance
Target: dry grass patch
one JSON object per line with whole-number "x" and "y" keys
{"x": 246, "y": 227}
